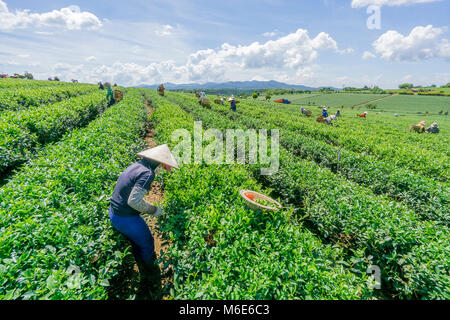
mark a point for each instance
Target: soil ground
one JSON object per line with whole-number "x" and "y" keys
{"x": 155, "y": 196}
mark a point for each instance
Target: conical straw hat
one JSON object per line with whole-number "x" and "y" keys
{"x": 160, "y": 154}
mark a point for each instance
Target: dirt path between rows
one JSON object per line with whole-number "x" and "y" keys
{"x": 155, "y": 197}
{"x": 366, "y": 103}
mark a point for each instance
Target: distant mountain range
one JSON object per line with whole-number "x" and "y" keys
{"x": 238, "y": 85}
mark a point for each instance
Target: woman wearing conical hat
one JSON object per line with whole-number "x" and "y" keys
{"x": 233, "y": 103}
{"x": 127, "y": 203}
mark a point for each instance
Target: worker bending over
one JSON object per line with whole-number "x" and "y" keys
{"x": 434, "y": 128}
{"x": 127, "y": 203}
{"x": 201, "y": 97}
{"x": 364, "y": 115}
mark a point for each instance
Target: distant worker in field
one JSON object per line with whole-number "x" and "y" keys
{"x": 127, "y": 203}
{"x": 303, "y": 110}
{"x": 434, "y": 128}
{"x": 201, "y": 97}
{"x": 233, "y": 103}
{"x": 338, "y": 113}
{"x": 161, "y": 89}
{"x": 325, "y": 112}
{"x": 100, "y": 86}
{"x": 109, "y": 94}
{"x": 329, "y": 120}
{"x": 419, "y": 128}
{"x": 363, "y": 115}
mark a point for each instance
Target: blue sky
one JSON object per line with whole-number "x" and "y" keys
{"x": 316, "y": 43}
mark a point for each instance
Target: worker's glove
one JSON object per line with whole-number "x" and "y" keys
{"x": 158, "y": 212}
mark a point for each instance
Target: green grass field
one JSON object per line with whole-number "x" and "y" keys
{"x": 296, "y": 98}
{"x": 415, "y": 108}
{"x": 334, "y": 100}
{"x": 407, "y": 107}
{"x": 411, "y": 105}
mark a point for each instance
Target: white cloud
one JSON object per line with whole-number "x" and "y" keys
{"x": 422, "y": 43}
{"x": 269, "y": 34}
{"x": 323, "y": 41}
{"x": 164, "y": 31}
{"x": 258, "y": 78}
{"x": 290, "y": 58}
{"x": 71, "y": 18}
{"x": 44, "y": 33}
{"x": 62, "y": 67}
{"x": 16, "y": 63}
{"x": 292, "y": 51}
{"x": 11, "y": 63}
{"x": 366, "y": 3}
{"x": 420, "y": 78}
{"x": 368, "y": 55}
{"x": 407, "y": 78}
{"x": 23, "y": 56}
{"x": 347, "y": 51}
{"x": 136, "y": 49}
{"x": 91, "y": 59}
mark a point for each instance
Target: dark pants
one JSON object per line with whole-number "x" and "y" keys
{"x": 137, "y": 231}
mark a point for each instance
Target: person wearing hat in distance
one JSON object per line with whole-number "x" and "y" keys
{"x": 233, "y": 103}
{"x": 109, "y": 94}
{"x": 325, "y": 112}
{"x": 127, "y": 203}
{"x": 434, "y": 128}
{"x": 364, "y": 115}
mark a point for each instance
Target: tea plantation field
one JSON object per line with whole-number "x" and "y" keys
{"x": 412, "y": 105}
{"x": 363, "y": 194}
{"x": 334, "y": 100}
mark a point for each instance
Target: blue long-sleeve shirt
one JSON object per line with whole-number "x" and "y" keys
{"x": 140, "y": 174}
{"x": 233, "y": 105}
